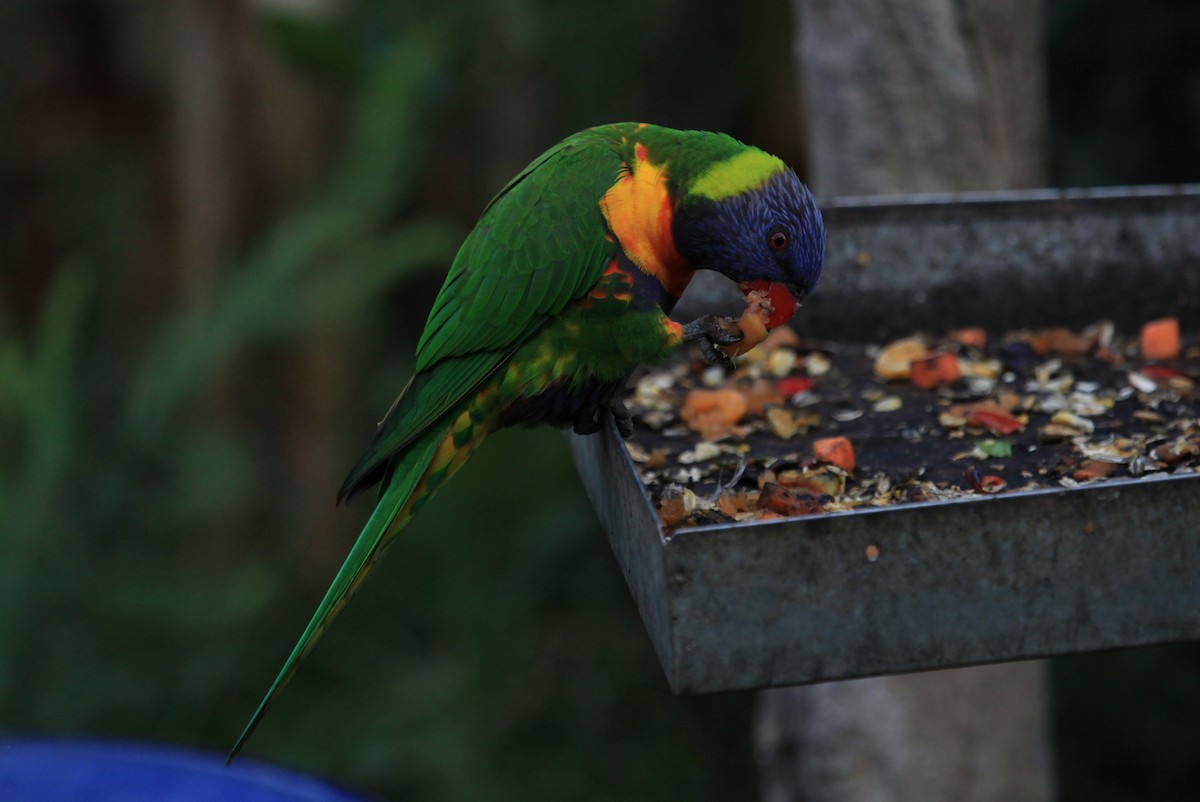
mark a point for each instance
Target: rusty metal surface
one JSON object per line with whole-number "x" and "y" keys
{"x": 954, "y": 583}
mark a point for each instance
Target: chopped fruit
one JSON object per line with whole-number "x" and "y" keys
{"x": 984, "y": 483}
{"x": 752, "y": 324}
{"x": 781, "y": 361}
{"x": 1060, "y": 341}
{"x": 783, "y": 423}
{"x": 768, "y": 306}
{"x": 780, "y": 500}
{"x": 993, "y": 417}
{"x": 1093, "y": 469}
{"x": 816, "y": 480}
{"x": 934, "y": 370}
{"x": 971, "y": 337}
{"x": 836, "y": 451}
{"x": 734, "y": 504}
{"x": 1160, "y": 339}
{"x": 997, "y": 449}
{"x": 713, "y": 413}
{"x": 779, "y": 298}
{"x": 1084, "y": 411}
{"x": 674, "y": 510}
{"x": 895, "y": 359}
{"x": 794, "y": 385}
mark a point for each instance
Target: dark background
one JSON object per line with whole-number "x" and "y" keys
{"x": 222, "y": 225}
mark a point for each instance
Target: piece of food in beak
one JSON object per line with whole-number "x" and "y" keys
{"x": 779, "y": 298}
{"x": 768, "y": 306}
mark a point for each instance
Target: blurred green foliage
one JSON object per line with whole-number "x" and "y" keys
{"x": 327, "y": 263}
{"x": 158, "y": 549}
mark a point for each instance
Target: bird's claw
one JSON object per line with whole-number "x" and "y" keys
{"x": 591, "y": 421}
{"x": 621, "y": 417}
{"x": 708, "y": 332}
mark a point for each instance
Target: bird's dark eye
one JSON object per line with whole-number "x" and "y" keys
{"x": 779, "y": 240}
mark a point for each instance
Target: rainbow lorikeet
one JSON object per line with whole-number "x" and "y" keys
{"x": 559, "y": 292}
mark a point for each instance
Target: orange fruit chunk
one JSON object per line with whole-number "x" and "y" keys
{"x": 836, "y": 451}
{"x": 713, "y": 413}
{"x": 1160, "y": 339}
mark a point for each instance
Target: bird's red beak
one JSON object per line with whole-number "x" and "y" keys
{"x": 783, "y": 303}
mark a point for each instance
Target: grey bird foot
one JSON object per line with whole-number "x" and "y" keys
{"x": 710, "y": 331}
{"x": 621, "y": 417}
{"x": 591, "y": 421}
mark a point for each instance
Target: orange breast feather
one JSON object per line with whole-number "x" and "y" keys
{"x": 638, "y": 211}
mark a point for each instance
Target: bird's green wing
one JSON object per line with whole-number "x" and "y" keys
{"x": 539, "y": 244}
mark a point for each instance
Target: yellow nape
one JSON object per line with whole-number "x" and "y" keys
{"x": 748, "y": 170}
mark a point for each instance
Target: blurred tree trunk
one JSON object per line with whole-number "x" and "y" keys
{"x": 248, "y": 138}
{"x": 205, "y": 154}
{"x": 922, "y": 96}
{"x": 916, "y": 96}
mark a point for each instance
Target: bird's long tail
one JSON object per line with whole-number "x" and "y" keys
{"x": 415, "y": 476}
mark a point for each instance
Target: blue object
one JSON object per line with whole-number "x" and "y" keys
{"x": 51, "y": 770}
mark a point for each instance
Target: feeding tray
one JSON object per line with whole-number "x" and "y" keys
{"x": 1052, "y": 565}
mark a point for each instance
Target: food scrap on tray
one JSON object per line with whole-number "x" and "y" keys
{"x": 800, "y": 428}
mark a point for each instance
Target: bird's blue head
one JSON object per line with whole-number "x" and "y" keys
{"x": 751, "y": 219}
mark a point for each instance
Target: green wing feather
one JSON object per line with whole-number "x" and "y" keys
{"x": 539, "y": 244}
{"x": 426, "y": 398}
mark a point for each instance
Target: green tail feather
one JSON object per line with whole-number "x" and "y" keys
{"x": 374, "y": 537}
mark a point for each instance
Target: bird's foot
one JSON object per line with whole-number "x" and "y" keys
{"x": 708, "y": 332}
{"x": 591, "y": 421}
{"x": 621, "y": 417}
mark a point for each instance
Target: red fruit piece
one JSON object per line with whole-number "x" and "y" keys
{"x": 783, "y": 303}
{"x": 836, "y": 451}
{"x": 1157, "y": 372}
{"x": 934, "y": 370}
{"x": 784, "y": 502}
{"x": 794, "y": 385}
{"x": 984, "y": 483}
{"x": 993, "y": 417}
